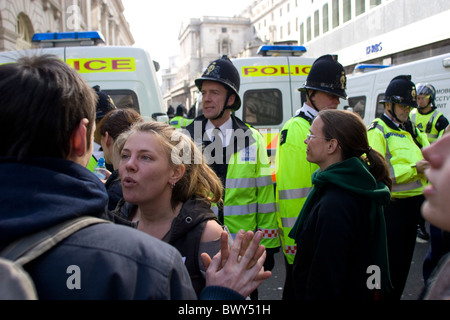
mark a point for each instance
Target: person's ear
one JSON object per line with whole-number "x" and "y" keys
{"x": 108, "y": 139}
{"x": 78, "y": 140}
{"x": 333, "y": 146}
{"x": 231, "y": 99}
{"x": 177, "y": 174}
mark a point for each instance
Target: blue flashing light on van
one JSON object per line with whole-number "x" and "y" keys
{"x": 53, "y": 39}
{"x": 281, "y": 50}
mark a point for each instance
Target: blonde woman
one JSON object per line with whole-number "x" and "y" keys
{"x": 168, "y": 191}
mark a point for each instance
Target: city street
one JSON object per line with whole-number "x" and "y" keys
{"x": 272, "y": 289}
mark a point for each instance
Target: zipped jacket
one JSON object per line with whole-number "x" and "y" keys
{"x": 114, "y": 262}
{"x": 244, "y": 168}
{"x": 401, "y": 150}
{"x": 293, "y": 176}
{"x": 433, "y": 124}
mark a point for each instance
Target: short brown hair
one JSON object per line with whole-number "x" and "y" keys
{"x": 42, "y": 101}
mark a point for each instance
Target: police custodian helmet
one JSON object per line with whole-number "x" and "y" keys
{"x": 401, "y": 90}
{"x": 327, "y": 75}
{"x": 223, "y": 71}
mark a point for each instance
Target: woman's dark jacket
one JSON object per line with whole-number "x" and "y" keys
{"x": 340, "y": 233}
{"x": 185, "y": 233}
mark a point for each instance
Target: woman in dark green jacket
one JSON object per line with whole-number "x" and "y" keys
{"x": 340, "y": 232}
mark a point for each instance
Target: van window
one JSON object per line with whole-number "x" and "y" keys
{"x": 358, "y": 105}
{"x": 380, "y": 106}
{"x": 124, "y": 99}
{"x": 263, "y": 107}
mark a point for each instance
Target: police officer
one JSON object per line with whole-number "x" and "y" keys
{"x": 237, "y": 153}
{"x": 426, "y": 117}
{"x": 325, "y": 85}
{"x": 429, "y": 120}
{"x": 397, "y": 138}
{"x": 179, "y": 120}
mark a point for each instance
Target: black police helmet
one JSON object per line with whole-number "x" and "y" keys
{"x": 327, "y": 75}
{"x": 104, "y": 104}
{"x": 223, "y": 71}
{"x": 401, "y": 90}
{"x": 181, "y": 110}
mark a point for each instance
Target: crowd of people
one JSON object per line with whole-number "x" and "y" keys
{"x": 193, "y": 211}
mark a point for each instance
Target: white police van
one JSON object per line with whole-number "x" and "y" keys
{"x": 125, "y": 73}
{"x": 365, "y": 90}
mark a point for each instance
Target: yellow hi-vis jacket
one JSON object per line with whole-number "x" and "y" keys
{"x": 293, "y": 177}
{"x": 249, "y": 200}
{"x": 401, "y": 153}
{"x": 177, "y": 122}
{"x": 427, "y": 123}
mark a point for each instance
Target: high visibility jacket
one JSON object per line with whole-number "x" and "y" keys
{"x": 401, "y": 153}
{"x": 293, "y": 177}
{"x": 432, "y": 124}
{"x": 177, "y": 122}
{"x": 249, "y": 200}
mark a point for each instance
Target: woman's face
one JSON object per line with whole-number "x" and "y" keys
{"x": 144, "y": 169}
{"x": 436, "y": 208}
{"x": 317, "y": 144}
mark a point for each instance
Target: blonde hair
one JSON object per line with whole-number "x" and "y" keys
{"x": 199, "y": 179}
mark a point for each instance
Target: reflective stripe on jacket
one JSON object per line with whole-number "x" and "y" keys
{"x": 427, "y": 123}
{"x": 401, "y": 153}
{"x": 249, "y": 200}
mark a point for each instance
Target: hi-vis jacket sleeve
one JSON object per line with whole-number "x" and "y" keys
{"x": 266, "y": 218}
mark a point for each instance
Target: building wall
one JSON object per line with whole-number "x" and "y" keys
{"x": 357, "y": 31}
{"x": 20, "y": 19}
{"x": 203, "y": 40}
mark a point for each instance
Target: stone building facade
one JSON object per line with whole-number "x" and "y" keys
{"x": 20, "y": 19}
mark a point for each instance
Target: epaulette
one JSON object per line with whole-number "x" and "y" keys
{"x": 373, "y": 125}
{"x": 283, "y": 136}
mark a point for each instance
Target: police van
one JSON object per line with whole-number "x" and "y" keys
{"x": 126, "y": 74}
{"x": 268, "y": 89}
{"x": 365, "y": 90}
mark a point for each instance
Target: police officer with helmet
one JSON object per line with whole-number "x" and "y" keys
{"x": 237, "y": 153}
{"x": 325, "y": 85}
{"x": 426, "y": 117}
{"x": 400, "y": 142}
{"x": 433, "y": 123}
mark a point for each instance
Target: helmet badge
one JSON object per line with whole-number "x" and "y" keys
{"x": 213, "y": 71}
{"x": 413, "y": 94}
{"x": 343, "y": 80}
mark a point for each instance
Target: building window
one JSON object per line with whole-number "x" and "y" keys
{"x": 316, "y": 24}
{"x": 224, "y": 30}
{"x": 347, "y": 14}
{"x": 325, "y": 26}
{"x": 302, "y": 34}
{"x": 374, "y": 3}
{"x": 360, "y": 7}
{"x": 335, "y": 10}
{"x": 308, "y": 29}
{"x": 289, "y": 29}
{"x": 24, "y": 29}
